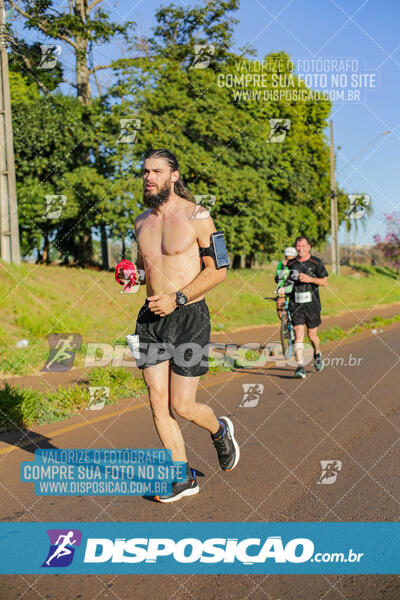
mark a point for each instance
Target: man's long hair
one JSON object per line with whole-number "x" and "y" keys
{"x": 179, "y": 187}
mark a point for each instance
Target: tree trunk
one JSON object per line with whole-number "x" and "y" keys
{"x": 80, "y": 7}
{"x": 249, "y": 261}
{"x": 104, "y": 248}
{"x": 46, "y": 249}
{"x": 39, "y": 257}
{"x": 82, "y": 74}
{"x": 84, "y": 254}
{"x": 81, "y": 56}
{"x": 236, "y": 262}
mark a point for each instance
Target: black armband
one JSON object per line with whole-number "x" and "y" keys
{"x": 217, "y": 250}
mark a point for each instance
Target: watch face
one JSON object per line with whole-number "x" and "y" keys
{"x": 181, "y": 299}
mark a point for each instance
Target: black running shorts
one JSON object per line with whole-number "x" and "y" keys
{"x": 305, "y": 314}
{"x": 182, "y": 337}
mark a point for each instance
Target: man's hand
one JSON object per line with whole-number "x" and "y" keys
{"x": 304, "y": 278}
{"x": 126, "y": 273}
{"x": 162, "y": 305}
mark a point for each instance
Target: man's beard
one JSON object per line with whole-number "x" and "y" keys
{"x": 155, "y": 200}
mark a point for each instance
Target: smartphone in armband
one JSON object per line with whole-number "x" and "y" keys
{"x": 219, "y": 247}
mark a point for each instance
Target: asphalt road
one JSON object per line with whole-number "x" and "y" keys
{"x": 345, "y": 413}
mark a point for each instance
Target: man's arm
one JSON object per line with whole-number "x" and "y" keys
{"x": 304, "y": 278}
{"x": 210, "y": 276}
{"x": 140, "y": 266}
{"x": 141, "y": 273}
{"x": 320, "y": 281}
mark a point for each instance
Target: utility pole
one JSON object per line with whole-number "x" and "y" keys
{"x": 334, "y": 212}
{"x": 9, "y": 234}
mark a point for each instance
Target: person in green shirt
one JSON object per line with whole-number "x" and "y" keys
{"x": 281, "y": 278}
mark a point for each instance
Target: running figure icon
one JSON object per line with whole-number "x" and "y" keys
{"x": 63, "y": 347}
{"x": 62, "y": 549}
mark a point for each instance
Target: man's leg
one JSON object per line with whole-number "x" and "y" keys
{"x": 299, "y": 350}
{"x": 314, "y": 339}
{"x": 157, "y": 380}
{"x": 299, "y": 343}
{"x": 183, "y": 402}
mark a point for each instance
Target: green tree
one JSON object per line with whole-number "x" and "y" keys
{"x": 81, "y": 26}
{"x": 266, "y": 192}
{"x": 49, "y": 161}
{"x": 44, "y": 152}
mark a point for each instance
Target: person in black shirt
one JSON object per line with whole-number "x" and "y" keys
{"x": 308, "y": 273}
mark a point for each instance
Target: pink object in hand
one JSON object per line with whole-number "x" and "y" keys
{"x": 129, "y": 272}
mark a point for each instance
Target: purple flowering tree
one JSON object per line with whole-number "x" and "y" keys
{"x": 390, "y": 244}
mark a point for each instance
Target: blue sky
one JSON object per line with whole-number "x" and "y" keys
{"x": 365, "y": 30}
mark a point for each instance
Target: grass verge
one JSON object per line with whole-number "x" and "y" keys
{"x": 337, "y": 333}
{"x": 23, "y": 407}
{"x": 36, "y": 300}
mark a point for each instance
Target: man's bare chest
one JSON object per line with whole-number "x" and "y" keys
{"x": 166, "y": 238}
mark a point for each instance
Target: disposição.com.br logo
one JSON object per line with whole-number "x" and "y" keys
{"x": 62, "y": 547}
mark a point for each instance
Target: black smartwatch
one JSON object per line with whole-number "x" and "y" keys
{"x": 181, "y": 299}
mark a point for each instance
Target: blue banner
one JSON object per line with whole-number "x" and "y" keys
{"x": 175, "y": 548}
{"x": 109, "y": 472}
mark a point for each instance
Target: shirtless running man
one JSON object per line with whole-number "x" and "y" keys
{"x": 175, "y": 252}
